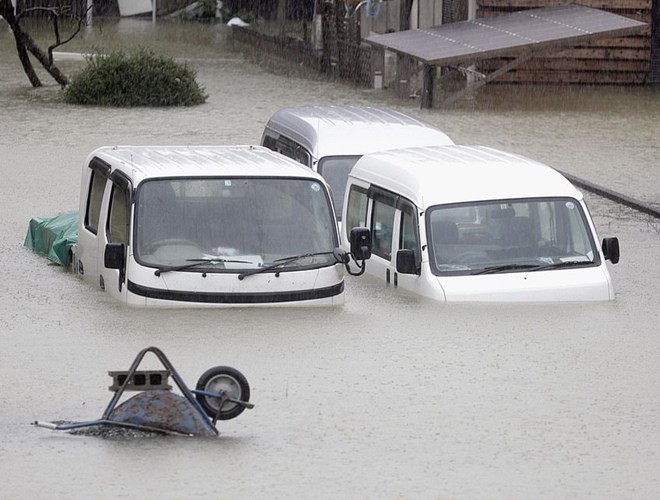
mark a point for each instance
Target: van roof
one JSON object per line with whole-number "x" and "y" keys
{"x": 142, "y": 162}
{"x": 451, "y": 174}
{"x": 331, "y": 130}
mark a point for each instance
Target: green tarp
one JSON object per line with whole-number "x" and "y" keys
{"x": 53, "y": 236}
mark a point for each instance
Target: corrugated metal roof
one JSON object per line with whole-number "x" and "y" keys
{"x": 506, "y": 35}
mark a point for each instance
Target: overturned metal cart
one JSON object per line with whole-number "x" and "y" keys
{"x": 221, "y": 393}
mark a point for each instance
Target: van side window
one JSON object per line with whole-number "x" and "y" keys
{"x": 269, "y": 142}
{"x": 382, "y": 219}
{"x": 303, "y": 157}
{"x": 94, "y": 199}
{"x": 118, "y": 219}
{"x": 409, "y": 234}
{"x": 356, "y": 211}
{"x": 293, "y": 150}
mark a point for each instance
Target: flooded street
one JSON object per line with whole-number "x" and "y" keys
{"x": 389, "y": 396}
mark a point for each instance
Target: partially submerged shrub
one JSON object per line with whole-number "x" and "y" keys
{"x": 139, "y": 78}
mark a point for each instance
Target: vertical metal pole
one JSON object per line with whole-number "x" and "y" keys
{"x": 427, "y": 87}
{"x": 472, "y": 14}
{"x": 404, "y": 14}
{"x": 403, "y": 73}
{"x": 90, "y": 10}
{"x": 377, "y": 67}
{"x": 472, "y": 9}
{"x": 327, "y": 11}
{"x": 317, "y": 27}
{"x": 655, "y": 44}
{"x": 154, "y": 8}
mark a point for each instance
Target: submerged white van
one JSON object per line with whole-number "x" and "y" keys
{"x": 330, "y": 139}
{"x": 177, "y": 226}
{"x": 470, "y": 223}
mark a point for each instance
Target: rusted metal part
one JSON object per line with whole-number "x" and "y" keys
{"x": 162, "y": 410}
{"x": 130, "y": 374}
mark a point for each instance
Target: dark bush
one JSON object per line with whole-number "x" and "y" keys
{"x": 139, "y": 78}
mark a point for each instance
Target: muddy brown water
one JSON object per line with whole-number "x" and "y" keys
{"x": 389, "y": 396}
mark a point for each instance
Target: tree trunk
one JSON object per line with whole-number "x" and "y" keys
{"x": 7, "y": 11}
{"x": 45, "y": 60}
{"x": 25, "y": 59}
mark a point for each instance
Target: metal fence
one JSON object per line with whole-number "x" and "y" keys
{"x": 340, "y": 54}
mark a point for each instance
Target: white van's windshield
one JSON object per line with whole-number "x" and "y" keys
{"x": 230, "y": 224}
{"x": 509, "y": 236}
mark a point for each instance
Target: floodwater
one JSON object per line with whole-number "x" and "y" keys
{"x": 389, "y": 396}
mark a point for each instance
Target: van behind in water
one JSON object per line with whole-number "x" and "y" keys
{"x": 330, "y": 139}
{"x": 470, "y": 223}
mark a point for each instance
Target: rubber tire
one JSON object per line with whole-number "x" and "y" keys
{"x": 215, "y": 375}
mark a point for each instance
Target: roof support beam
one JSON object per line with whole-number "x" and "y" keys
{"x": 483, "y": 81}
{"x": 427, "y": 86}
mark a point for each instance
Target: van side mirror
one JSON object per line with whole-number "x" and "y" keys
{"x": 610, "y": 248}
{"x": 405, "y": 261}
{"x": 360, "y": 239}
{"x": 113, "y": 257}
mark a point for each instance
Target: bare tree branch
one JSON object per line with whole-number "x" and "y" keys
{"x": 7, "y": 11}
{"x": 25, "y": 43}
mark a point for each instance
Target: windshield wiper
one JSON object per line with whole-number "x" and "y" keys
{"x": 197, "y": 262}
{"x": 509, "y": 267}
{"x": 281, "y": 262}
{"x": 568, "y": 263}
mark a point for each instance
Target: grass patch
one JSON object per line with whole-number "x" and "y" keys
{"x": 138, "y": 78}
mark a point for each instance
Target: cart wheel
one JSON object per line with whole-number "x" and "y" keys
{"x": 223, "y": 379}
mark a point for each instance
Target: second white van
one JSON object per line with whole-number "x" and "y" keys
{"x": 471, "y": 223}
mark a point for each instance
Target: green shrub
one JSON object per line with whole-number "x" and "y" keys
{"x": 139, "y": 78}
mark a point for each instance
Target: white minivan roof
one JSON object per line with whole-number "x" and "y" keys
{"x": 142, "y": 162}
{"x": 332, "y": 130}
{"x": 452, "y": 174}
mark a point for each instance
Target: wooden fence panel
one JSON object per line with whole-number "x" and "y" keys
{"x": 607, "y": 60}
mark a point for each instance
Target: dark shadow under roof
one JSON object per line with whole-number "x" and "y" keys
{"x": 521, "y": 32}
